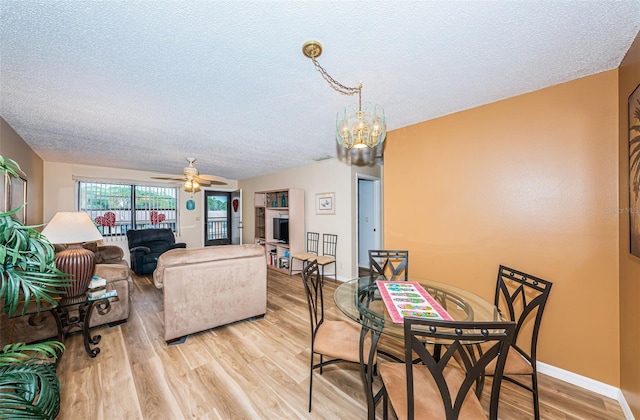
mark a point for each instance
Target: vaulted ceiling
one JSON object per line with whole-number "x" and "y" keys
{"x": 145, "y": 84}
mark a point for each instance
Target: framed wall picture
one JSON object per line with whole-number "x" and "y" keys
{"x": 326, "y": 203}
{"x": 634, "y": 171}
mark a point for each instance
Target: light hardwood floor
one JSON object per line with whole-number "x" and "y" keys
{"x": 247, "y": 370}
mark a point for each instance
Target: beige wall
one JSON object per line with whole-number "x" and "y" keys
{"x": 327, "y": 176}
{"x": 629, "y": 79}
{"x": 59, "y": 195}
{"x": 12, "y": 146}
{"x": 530, "y": 182}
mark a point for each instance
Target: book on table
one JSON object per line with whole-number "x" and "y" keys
{"x": 101, "y": 294}
{"x": 97, "y": 283}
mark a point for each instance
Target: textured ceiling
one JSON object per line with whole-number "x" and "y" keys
{"x": 144, "y": 84}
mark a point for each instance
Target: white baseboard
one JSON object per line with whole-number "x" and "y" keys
{"x": 626, "y": 410}
{"x": 589, "y": 384}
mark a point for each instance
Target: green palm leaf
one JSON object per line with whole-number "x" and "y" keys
{"x": 29, "y": 390}
{"x": 28, "y": 268}
{"x": 29, "y": 386}
{"x": 20, "y": 352}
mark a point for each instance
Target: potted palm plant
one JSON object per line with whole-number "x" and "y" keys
{"x": 29, "y": 386}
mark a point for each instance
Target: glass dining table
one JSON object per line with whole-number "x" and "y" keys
{"x": 460, "y": 304}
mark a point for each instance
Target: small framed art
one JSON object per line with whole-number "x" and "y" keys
{"x": 326, "y": 203}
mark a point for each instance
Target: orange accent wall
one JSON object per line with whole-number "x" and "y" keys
{"x": 530, "y": 182}
{"x": 629, "y": 79}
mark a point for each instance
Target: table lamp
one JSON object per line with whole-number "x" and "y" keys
{"x": 73, "y": 229}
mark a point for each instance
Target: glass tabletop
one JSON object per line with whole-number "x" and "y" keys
{"x": 60, "y": 301}
{"x": 460, "y": 304}
{"x": 33, "y": 308}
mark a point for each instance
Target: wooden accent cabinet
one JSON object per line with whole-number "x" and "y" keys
{"x": 280, "y": 204}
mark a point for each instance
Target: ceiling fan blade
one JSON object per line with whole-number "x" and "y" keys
{"x": 191, "y": 172}
{"x": 212, "y": 178}
{"x": 202, "y": 181}
{"x": 209, "y": 181}
{"x": 169, "y": 178}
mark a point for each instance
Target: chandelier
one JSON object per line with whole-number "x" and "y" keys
{"x": 356, "y": 128}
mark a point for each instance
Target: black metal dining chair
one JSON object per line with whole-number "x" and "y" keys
{"x": 392, "y": 264}
{"x": 313, "y": 240}
{"x": 372, "y": 326}
{"x": 434, "y": 385}
{"x": 328, "y": 257}
{"x": 339, "y": 341}
{"x": 521, "y": 297}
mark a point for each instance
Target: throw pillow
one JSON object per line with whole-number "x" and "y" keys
{"x": 91, "y": 246}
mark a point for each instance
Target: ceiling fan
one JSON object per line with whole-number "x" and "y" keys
{"x": 192, "y": 179}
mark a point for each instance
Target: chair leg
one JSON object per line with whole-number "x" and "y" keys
{"x": 335, "y": 273}
{"x": 310, "y": 381}
{"x": 536, "y": 402}
{"x": 385, "y": 406}
{"x": 494, "y": 400}
{"x": 304, "y": 264}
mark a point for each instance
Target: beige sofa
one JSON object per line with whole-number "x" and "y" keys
{"x": 207, "y": 287}
{"x": 113, "y": 268}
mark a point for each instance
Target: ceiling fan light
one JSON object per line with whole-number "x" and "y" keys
{"x": 191, "y": 186}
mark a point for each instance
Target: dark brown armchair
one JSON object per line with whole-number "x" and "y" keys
{"x": 146, "y": 245}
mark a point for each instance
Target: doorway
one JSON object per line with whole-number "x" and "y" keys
{"x": 369, "y": 218}
{"x": 217, "y": 218}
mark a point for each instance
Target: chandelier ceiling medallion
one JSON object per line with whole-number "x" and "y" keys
{"x": 356, "y": 128}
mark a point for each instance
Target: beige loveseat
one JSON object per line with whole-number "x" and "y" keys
{"x": 112, "y": 267}
{"x": 207, "y": 287}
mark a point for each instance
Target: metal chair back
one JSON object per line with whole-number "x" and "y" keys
{"x": 313, "y": 240}
{"x": 329, "y": 244}
{"x": 392, "y": 264}
{"x": 456, "y": 340}
{"x": 521, "y": 298}
{"x": 372, "y": 326}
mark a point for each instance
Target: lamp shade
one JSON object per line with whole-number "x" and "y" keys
{"x": 71, "y": 228}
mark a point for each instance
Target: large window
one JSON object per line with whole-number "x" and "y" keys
{"x": 116, "y": 208}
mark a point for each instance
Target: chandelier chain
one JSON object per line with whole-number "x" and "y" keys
{"x": 337, "y": 86}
